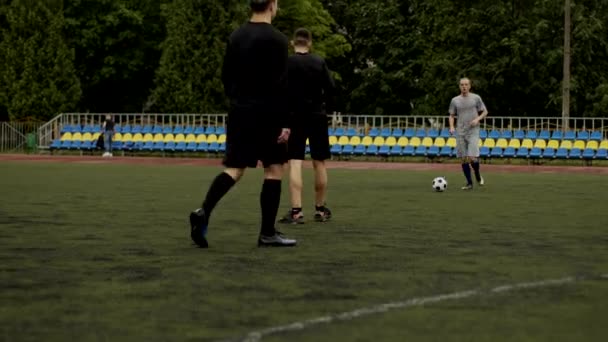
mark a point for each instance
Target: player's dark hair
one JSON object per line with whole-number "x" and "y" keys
{"x": 259, "y": 5}
{"x": 302, "y": 37}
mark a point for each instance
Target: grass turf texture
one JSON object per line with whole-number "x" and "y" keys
{"x": 102, "y": 252}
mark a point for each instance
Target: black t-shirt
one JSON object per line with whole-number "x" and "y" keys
{"x": 109, "y": 125}
{"x": 311, "y": 87}
{"x": 255, "y": 73}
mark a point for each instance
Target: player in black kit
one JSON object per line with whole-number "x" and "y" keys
{"x": 311, "y": 90}
{"x": 255, "y": 80}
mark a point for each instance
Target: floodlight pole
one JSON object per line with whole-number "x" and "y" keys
{"x": 567, "y": 53}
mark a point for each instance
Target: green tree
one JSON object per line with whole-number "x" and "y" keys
{"x": 37, "y": 75}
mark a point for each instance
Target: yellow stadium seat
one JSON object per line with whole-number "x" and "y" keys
{"x": 502, "y": 143}
{"x": 427, "y": 142}
{"x": 579, "y": 144}
{"x": 540, "y": 143}
{"x": 127, "y": 137}
{"x": 592, "y": 144}
{"x": 343, "y": 140}
{"x": 355, "y": 141}
{"x": 87, "y": 137}
{"x": 138, "y": 137}
{"x": 379, "y": 141}
{"x": 554, "y": 144}
{"x": 333, "y": 140}
{"x": 489, "y": 142}
{"x": 451, "y": 142}
{"x": 158, "y": 137}
{"x": 148, "y": 137}
{"x": 480, "y": 143}
{"x": 168, "y": 138}
{"x": 201, "y": 138}
{"x": 180, "y": 138}
{"x": 221, "y": 139}
{"x": 190, "y": 138}
{"x": 367, "y": 141}
{"x": 390, "y": 141}
{"x": 66, "y": 136}
{"x": 117, "y": 137}
{"x": 515, "y": 143}
{"x": 211, "y": 138}
{"x": 77, "y": 136}
{"x": 440, "y": 142}
{"x": 604, "y": 144}
{"x": 403, "y": 141}
{"x": 96, "y": 136}
{"x": 567, "y": 144}
{"x": 415, "y": 141}
{"x": 527, "y": 143}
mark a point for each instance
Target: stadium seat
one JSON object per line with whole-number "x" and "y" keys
{"x": 348, "y": 149}
{"x": 390, "y": 141}
{"x": 553, "y": 144}
{"x": 56, "y": 144}
{"x": 527, "y": 143}
{"x": 567, "y": 144}
{"x": 202, "y": 147}
{"x": 420, "y": 151}
{"x": 355, "y": 141}
{"x": 221, "y": 139}
{"x": 213, "y": 147}
{"x": 433, "y": 151}
{"x": 126, "y": 129}
{"x": 445, "y": 133}
{"x": 330, "y": 131}
{"x": 343, "y": 140}
{"x": 372, "y": 150}
{"x": 494, "y": 134}
{"x": 549, "y": 153}
{"x": 515, "y": 143}
{"x": 496, "y": 152}
{"x": 483, "y": 134}
{"x": 561, "y": 153}
{"x": 191, "y": 146}
{"x": 409, "y": 133}
{"x": 408, "y": 150}
{"x": 596, "y": 135}
{"x": 397, "y": 132}
{"x": 557, "y": 135}
{"x": 446, "y": 151}
{"x": 451, "y": 142}
{"x": 535, "y": 153}
{"x": 395, "y": 150}
{"x": 427, "y": 142}
{"x": 169, "y": 142}
{"x": 211, "y": 138}
{"x": 489, "y": 142}
{"x": 592, "y": 144}
{"x": 384, "y": 150}
{"x": 199, "y": 130}
{"x": 432, "y": 133}
{"x": 178, "y": 129}
{"x": 137, "y": 129}
{"x": 415, "y": 141}
{"x": 222, "y": 147}
{"x": 575, "y": 153}
{"x": 570, "y": 135}
{"x": 188, "y": 130}
{"x": 403, "y": 141}
{"x": 540, "y": 143}
{"x": 588, "y": 153}
{"x": 339, "y": 132}
{"x": 385, "y": 133}
{"x": 351, "y": 132}
{"x": 366, "y": 141}
{"x": 157, "y": 129}
{"x": 601, "y": 153}
{"x": 333, "y": 140}
{"x": 420, "y": 133}
{"x": 519, "y": 134}
{"x": 335, "y": 149}
{"x": 509, "y": 152}
{"x": 579, "y": 144}
{"x": 484, "y": 152}
{"x": 220, "y": 130}
{"x": 544, "y": 134}
{"x": 210, "y": 130}
{"x": 507, "y": 134}
{"x": 532, "y": 134}
{"x": 604, "y": 144}
{"x": 522, "y": 152}
{"x": 502, "y": 143}
{"x": 373, "y": 132}
{"x": 582, "y": 135}
{"x": 439, "y": 142}
{"x": 360, "y": 150}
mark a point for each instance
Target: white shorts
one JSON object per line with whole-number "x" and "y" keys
{"x": 467, "y": 145}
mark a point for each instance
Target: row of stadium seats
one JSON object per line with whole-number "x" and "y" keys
{"x": 352, "y": 132}
{"x": 513, "y": 148}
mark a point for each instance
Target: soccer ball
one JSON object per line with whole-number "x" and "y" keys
{"x": 440, "y": 184}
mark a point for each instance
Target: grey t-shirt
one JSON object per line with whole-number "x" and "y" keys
{"x": 466, "y": 109}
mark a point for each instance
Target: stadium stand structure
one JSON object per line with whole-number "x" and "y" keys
{"x": 408, "y": 139}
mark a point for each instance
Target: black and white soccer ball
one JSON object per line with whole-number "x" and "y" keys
{"x": 440, "y": 184}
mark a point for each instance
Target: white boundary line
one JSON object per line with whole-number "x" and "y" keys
{"x": 256, "y": 336}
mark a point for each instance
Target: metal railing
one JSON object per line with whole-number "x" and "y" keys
{"x": 18, "y": 136}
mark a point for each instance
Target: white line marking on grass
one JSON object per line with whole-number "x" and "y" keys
{"x": 256, "y": 336}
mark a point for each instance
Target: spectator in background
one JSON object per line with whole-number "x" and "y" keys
{"x": 108, "y": 133}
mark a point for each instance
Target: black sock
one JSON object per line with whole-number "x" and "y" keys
{"x": 296, "y": 211}
{"x": 220, "y": 186}
{"x": 467, "y": 173}
{"x": 270, "y": 198}
{"x": 320, "y": 208}
{"x": 476, "y": 169}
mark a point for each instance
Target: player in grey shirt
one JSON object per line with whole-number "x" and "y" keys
{"x": 470, "y": 110}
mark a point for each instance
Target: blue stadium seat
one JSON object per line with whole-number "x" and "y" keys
{"x": 420, "y": 133}
{"x": 136, "y": 129}
{"x": 202, "y": 147}
{"x": 522, "y": 152}
{"x": 395, "y": 150}
{"x": 167, "y": 129}
{"x": 339, "y": 132}
{"x": 178, "y": 129}
{"x": 408, "y": 150}
{"x": 199, "y": 130}
{"x": 409, "y": 133}
{"x": 188, "y": 130}
{"x": 561, "y": 153}
{"x": 359, "y": 150}
{"x": 494, "y": 134}
{"x": 210, "y": 130}
{"x": 535, "y": 153}
{"x": 330, "y": 131}
{"x": 159, "y": 146}
{"x": 65, "y": 129}
{"x": 170, "y": 146}
{"x": 582, "y": 135}
{"x": 66, "y": 144}
{"x": 86, "y": 145}
{"x": 484, "y": 152}
{"x": 191, "y": 146}
{"x": 220, "y": 130}
{"x": 213, "y": 147}
{"x": 557, "y": 135}
{"x": 575, "y": 153}
{"x": 496, "y": 152}
{"x": 348, "y": 149}
{"x": 544, "y": 135}
{"x": 222, "y": 147}
{"x": 351, "y": 132}
{"x": 570, "y": 135}
{"x": 117, "y": 129}
{"x": 75, "y": 145}
{"x": 445, "y": 133}
{"x": 372, "y": 150}
{"x": 126, "y": 128}
{"x": 374, "y": 132}
{"x": 385, "y": 133}
{"x": 596, "y": 135}
{"x": 127, "y": 145}
{"x": 433, "y": 151}
{"x": 117, "y": 145}
{"x": 509, "y": 152}
{"x": 384, "y": 150}
{"x": 420, "y": 151}
{"x": 55, "y": 144}
{"x": 446, "y": 151}
{"x": 549, "y": 153}
{"x": 519, "y": 134}
{"x": 532, "y": 134}
{"x": 156, "y": 129}
{"x": 336, "y": 149}
{"x": 89, "y": 129}
{"x": 483, "y": 134}
{"x": 397, "y": 132}
{"x": 507, "y": 134}
{"x": 432, "y": 133}
{"x": 601, "y": 153}
{"x": 148, "y": 146}
{"x": 588, "y": 153}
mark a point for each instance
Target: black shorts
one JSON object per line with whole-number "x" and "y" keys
{"x": 314, "y": 128}
{"x": 249, "y": 140}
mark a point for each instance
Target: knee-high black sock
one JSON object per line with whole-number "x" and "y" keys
{"x": 467, "y": 172}
{"x": 220, "y": 186}
{"x": 270, "y": 199}
{"x": 475, "y": 165}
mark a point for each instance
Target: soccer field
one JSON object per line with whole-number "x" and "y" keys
{"x": 101, "y": 251}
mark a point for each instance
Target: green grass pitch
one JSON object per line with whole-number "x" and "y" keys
{"x": 101, "y": 252}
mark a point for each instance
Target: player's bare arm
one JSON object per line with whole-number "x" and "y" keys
{"x": 452, "y": 129}
{"x": 477, "y": 120}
